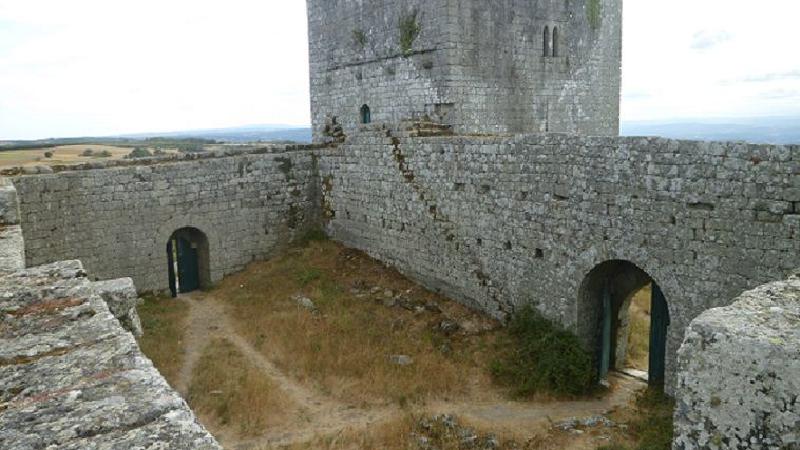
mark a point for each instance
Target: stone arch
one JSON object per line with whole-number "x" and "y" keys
{"x": 188, "y": 262}
{"x": 604, "y": 298}
{"x": 215, "y": 258}
{"x": 365, "y": 114}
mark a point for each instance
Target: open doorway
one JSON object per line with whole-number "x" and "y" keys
{"x": 187, "y": 261}
{"x": 626, "y": 319}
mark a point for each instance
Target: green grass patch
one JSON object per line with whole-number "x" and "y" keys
{"x": 539, "y": 357}
{"x": 652, "y": 427}
{"x": 163, "y": 321}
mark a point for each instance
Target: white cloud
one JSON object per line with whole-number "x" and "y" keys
{"x": 106, "y": 67}
{"x": 94, "y": 67}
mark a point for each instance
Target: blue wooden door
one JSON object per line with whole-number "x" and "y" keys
{"x": 188, "y": 267}
{"x": 171, "y": 267}
{"x": 605, "y": 348}
{"x": 659, "y": 324}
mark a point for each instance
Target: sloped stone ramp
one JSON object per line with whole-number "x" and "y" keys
{"x": 71, "y": 377}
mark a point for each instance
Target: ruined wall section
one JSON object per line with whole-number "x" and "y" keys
{"x": 740, "y": 373}
{"x": 357, "y": 58}
{"x": 118, "y": 220}
{"x": 12, "y": 245}
{"x": 73, "y": 378}
{"x": 503, "y": 82}
{"x": 500, "y": 222}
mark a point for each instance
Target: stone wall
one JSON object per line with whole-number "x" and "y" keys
{"x": 497, "y": 222}
{"x": 12, "y": 247}
{"x": 72, "y": 378}
{"x": 475, "y": 65}
{"x": 118, "y": 219}
{"x": 739, "y": 376}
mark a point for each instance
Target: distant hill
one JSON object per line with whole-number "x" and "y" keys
{"x": 248, "y": 133}
{"x": 768, "y": 130}
{"x": 236, "y": 135}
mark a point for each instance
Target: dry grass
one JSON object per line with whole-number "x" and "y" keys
{"x": 639, "y": 340}
{"x": 228, "y": 392}
{"x": 164, "y": 324}
{"x": 63, "y": 154}
{"x": 344, "y": 349}
{"x": 405, "y": 432}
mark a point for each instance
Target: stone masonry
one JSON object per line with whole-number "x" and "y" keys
{"x": 71, "y": 373}
{"x": 739, "y": 380}
{"x": 478, "y": 66}
{"x": 499, "y": 222}
{"x": 249, "y": 203}
{"x": 72, "y": 378}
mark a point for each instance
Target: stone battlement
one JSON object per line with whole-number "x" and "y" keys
{"x": 73, "y": 378}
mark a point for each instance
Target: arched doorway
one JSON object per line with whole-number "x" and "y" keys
{"x": 609, "y": 307}
{"x": 187, "y": 257}
{"x": 366, "y": 114}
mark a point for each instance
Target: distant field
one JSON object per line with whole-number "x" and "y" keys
{"x": 63, "y": 154}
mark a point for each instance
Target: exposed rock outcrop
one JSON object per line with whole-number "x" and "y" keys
{"x": 739, "y": 376}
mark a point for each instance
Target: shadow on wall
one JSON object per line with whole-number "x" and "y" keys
{"x": 188, "y": 261}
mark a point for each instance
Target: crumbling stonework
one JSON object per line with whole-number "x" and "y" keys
{"x": 72, "y": 378}
{"x": 739, "y": 379}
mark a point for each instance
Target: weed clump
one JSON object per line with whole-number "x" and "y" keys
{"x": 652, "y": 427}
{"x": 538, "y": 356}
{"x": 409, "y": 31}
{"x": 593, "y": 13}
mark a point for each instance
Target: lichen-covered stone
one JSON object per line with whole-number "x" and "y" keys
{"x": 739, "y": 380}
{"x": 72, "y": 378}
{"x": 121, "y": 298}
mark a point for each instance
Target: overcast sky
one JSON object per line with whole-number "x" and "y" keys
{"x": 100, "y": 67}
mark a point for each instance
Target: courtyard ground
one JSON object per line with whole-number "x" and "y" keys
{"x": 324, "y": 347}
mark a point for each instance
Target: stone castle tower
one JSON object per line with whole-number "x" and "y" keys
{"x": 481, "y": 66}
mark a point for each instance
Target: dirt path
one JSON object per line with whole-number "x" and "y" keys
{"x": 325, "y": 416}
{"x": 322, "y": 415}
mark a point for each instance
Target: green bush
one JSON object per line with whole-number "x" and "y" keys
{"x": 103, "y": 154}
{"x": 409, "y": 30}
{"x": 48, "y": 154}
{"x": 539, "y": 356}
{"x": 88, "y": 152}
{"x": 139, "y": 152}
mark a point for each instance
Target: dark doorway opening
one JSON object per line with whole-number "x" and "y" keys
{"x": 187, "y": 258}
{"x": 625, "y": 312}
{"x": 366, "y": 114}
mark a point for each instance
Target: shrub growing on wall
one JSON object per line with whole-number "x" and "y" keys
{"x": 541, "y": 357}
{"x": 409, "y": 30}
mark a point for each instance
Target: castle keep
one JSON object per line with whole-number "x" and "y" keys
{"x": 435, "y": 151}
{"x": 507, "y": 66}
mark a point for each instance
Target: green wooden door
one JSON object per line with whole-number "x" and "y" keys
{"x": 188, "y": 267}
{"x": 605, "y": 346}
{"x": 659, "y": 324}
